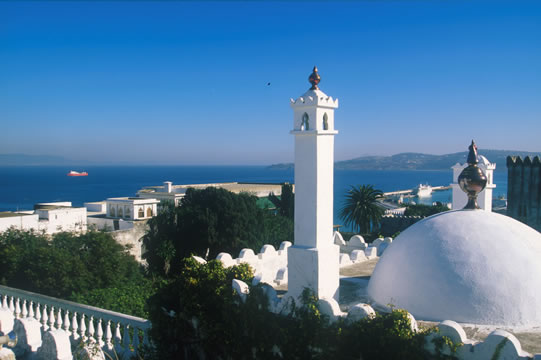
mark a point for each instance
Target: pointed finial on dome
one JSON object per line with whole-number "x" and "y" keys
{"x": 472, "y": 156}
{"x": 314, "y": 79}
{"x": 472, "y": 180}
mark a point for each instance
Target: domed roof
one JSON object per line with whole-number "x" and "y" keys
{"x": 469, "y": 266}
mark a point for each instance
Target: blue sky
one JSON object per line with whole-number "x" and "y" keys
{"x": 186, "y": 82}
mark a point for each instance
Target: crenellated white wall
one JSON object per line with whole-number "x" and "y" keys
{"x": 268, "y": 265}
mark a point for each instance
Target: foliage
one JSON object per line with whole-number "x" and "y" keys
{"x": 129, "y": 299}
{"x": 208, "y": 222}
{"x": 361, "y": 208}
{"x": 197, "y": 315}
{"x": 65, "y": 264}
{"x": 286, "y": 202}
{"x": 425, "y": 210}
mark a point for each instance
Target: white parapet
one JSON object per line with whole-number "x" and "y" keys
{"x": 498, "y": 344}
{"x": 269, "y": 265}
{"x": 371, "y": 252}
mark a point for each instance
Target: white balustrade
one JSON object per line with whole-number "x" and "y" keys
{"x": 76, "y": 318}
{"x": 44, "y": 318}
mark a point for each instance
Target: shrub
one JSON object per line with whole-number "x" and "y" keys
{"x": 198, "y": 316}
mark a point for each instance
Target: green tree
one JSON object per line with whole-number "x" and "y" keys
{"x": 361, "y": 208}
{"x": 286, "y": 202}
{"x": 66, "y": 264}
{"x": 208, "y": 222}
{"x": 425, "y": 210}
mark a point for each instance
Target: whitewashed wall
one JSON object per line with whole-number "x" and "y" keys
{"x": 62, "y": 219}
{"x": 21, "y": 222}
{"x": 269, "y": 264}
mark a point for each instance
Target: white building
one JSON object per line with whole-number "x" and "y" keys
{"x": 174, "y": 193}
{"x": 49, "y": 217}
{"x": 60, "y": 216}
{"x": 125, "y": 217}
{"x": 460, "y": 199}
{"x": 314, "y": 259}
{"x": 166, "y": 193}
{"x": 120, "y": 213}
{"x": 17, "y": 220}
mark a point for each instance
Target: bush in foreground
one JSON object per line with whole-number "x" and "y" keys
{"x": 198, "y": 316}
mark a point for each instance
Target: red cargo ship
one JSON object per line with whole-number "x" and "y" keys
{"x": 76, "y": 173}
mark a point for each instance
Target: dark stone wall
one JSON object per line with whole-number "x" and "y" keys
{"x": 524, "y": 190}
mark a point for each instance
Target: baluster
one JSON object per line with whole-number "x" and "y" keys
{"x": 108, "y": 335}
{"x": 146, "y": 342}
{"x": 91, "y": 330}
{"x": 67, "y": 321}
{"x": 38, "y": 312}
{"x": 51, "y": 318}
{"x": 135, "y": 341}
{"x": 118, "y": 337}
{"x": 44, "y": 318}
{"x": 74, "y": 327}
{"x": 31, "y": 313}
{"x": 59, "y": 319}
{"x": 99, "y": 334}
{"x": 11, "y": 305}
{"x": 24, "y": 311}
{"x": 82, "y": 327}
{"x": 5, "y": 302}
{"x": 126, "y": 338}
{"x": 17, "y": 309}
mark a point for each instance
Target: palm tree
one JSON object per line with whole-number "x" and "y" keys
{"x": 361, "y": 209}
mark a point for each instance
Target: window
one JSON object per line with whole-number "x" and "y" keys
{"x": 112, "y": 212}
{"x": 305, "y": 125}
{"x": 120, "y": 214}
{"x": 149, "y": 212}
{"x": 127, "y": 213}
{"x": 141, "y": 213}
{"x": 325, "y": 122}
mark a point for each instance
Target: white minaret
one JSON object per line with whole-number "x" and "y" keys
{"x": 313, "y": 260}
{"x": 484, "y": 199}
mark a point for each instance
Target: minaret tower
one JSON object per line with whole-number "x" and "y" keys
{"x": 313, "y": 260}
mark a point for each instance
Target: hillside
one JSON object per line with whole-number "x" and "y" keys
{"x": 417, "y": 161}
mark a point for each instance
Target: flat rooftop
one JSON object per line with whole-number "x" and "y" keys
{"x": 7, "y": 214}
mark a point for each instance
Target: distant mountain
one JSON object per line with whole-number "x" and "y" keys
{"x": 23, "y": 159}
{"x": 418, "y": 161}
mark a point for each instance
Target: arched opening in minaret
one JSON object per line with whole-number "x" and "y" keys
{"x": 325, "y": 122}
{"x": 305, "y": 122}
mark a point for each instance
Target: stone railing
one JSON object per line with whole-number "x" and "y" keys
{"x": 113, "y": 332}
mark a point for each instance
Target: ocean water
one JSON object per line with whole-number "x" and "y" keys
{"x": 22, "y": 187}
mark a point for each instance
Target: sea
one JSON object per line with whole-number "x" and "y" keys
{"x": 23, "y": 186}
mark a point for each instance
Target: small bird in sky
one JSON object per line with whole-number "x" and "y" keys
{"x": 268, "y": 84}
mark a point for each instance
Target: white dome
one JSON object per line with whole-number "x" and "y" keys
{"x": 469, "y": 266}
